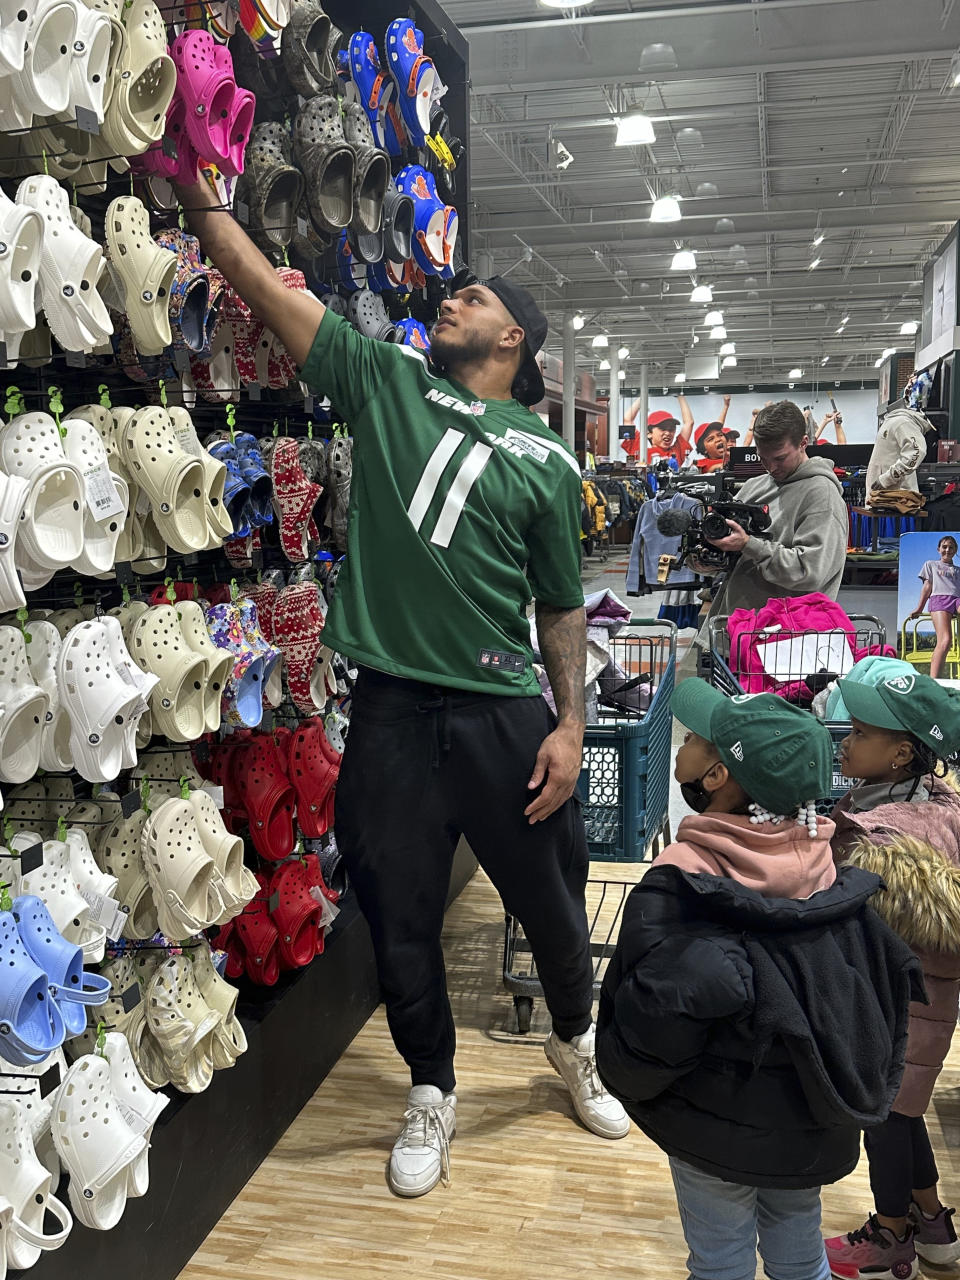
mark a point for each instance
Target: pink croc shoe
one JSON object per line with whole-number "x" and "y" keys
{"x": 219, "y": 115}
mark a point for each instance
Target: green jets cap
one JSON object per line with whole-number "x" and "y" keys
{"x": 780, "y": 754}
{"x": 914, "y": 702}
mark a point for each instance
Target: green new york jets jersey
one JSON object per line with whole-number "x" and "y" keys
{"x": 461, "y": 510}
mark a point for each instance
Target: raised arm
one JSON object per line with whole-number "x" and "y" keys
{"x": 686, "y": 414}
{"x": 294, "y": 317}
{"x": 724, "y": 411}
{"x": 630, "y": 416}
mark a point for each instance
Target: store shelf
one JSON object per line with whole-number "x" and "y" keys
{"x": 206, "y": 1147}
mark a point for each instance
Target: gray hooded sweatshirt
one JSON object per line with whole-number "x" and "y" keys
{"x": 808, "y": 540}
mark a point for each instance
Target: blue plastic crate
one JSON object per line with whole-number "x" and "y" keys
{"x": 625, "y": 782}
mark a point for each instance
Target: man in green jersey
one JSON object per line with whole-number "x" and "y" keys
{"x": 463, "y": 506}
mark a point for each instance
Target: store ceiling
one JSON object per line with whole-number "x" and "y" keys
{"x": 832, "y": 116}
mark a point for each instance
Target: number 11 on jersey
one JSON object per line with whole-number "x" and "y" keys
{"x": 468, "y": 474}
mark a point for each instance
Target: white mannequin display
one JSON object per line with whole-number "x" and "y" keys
{"x": 898, "y": 452}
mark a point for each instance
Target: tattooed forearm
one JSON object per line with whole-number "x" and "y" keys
{"x": 563, "y": 643}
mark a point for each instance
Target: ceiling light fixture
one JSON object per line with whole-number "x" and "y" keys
{"x": 680, "y": 377}
{"x": 718, "y": 333}
{"x": 666, "y": 209}
{"x": 601, "y": 340}
{"x": 579, "y": 321}
{"x": 795, "y": 373}
{"x": 712, "y": 318}
{"x": 845, "y": 319}
{"x": 724, "y": 226}
{"x": 690, "y": 137}
{"x": 604, "y": 365}
{"x": 706, "y": 190}
{"x": 728, "y": 349}
{"x": 729, "y": 362}
{"x": 684, "y": 260}
{"x": 701, "y": 293}
{"x": 623, "y": 353}
{"x": 622, "y": 375}
{"x": 825, "y": 360}
{"x": 565, "y": 4}
{"x": 909, "y": 328}
{"x": 635, "y": 131}
{"x": 751, "y": 282}
{"x": 840, "y": 330}
{"x": 955, "y": 69}
{"x": 817, "y": 240}
{"x": 658, "y": 57}
{"x": 814, "y": 264}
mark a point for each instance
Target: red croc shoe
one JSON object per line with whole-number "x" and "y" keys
{"x": 229, "y": 940}
{"x": 269, "y": 800}
{"x": 314, "y": 769}
{"x": 259, "y": 938}
{"x": 295, "y": 913}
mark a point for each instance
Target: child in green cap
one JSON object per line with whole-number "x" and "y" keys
{"x": 743, "y": 961}
{"x": 902, "y": 822}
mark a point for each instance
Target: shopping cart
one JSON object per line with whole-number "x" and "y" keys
{"x": 624, "y": 789}
{"x": 803, "y": 656}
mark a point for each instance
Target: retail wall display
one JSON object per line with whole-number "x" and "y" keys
{"x": 859, "y": 408}
{"x": 173, "y": 514}
{"x": 920, "y": 553}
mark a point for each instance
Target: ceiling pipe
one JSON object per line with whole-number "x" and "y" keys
{"x": 675, "y": 12}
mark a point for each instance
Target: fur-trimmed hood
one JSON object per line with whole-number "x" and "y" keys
{"x": 920, "y": 896}
{"x": 915, "y": 849}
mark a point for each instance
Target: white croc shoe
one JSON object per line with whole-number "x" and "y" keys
{"x": 177, "y": 1015}
{"x": 98, "y": 1156}
{"x": 27, "y": 1185}
{"x": 90, "y": 63}
{"x": 14, "y": 492}
{"x": 229, "y": 1039}
{"x": 86, "y": 873}
{"x": 219, "y": 524}
{"x": 51, "y": 523}
{"x": 23, "y": 710}
{"x": 144, "y": 83}
{"x": 71, "y": 265}
{"x": 140, "y": 1105}
{"x": 53, "y": 884}
{"x": 43, "y": 651}
{"x": 158, "y": 647}
{"x": 142, "y": 273}
{"x": 118, "y": 853}
{"x": 219, "y": 662}
{"x": 131, "y": 674}
{"x": 237, "y": 885}
{"x": 21, "y": 244}
{"x": 172, "y": 478}
{"x": 42, "y": 85}
{"x": 15, "y": 17}
{"x": 183, "y": 876}
{"x": 98, "y": 700}
{"x": 105, "y": 506}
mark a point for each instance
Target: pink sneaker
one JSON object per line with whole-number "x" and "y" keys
{"x": 935, "y": 1238}
{"x": 873, "y": 1253}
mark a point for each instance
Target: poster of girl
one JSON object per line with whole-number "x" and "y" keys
{"x": 940, "y": 597}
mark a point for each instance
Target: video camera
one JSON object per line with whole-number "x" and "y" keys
{"x": 695, "y": 535}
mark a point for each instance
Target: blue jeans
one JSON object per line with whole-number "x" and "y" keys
{"x": 722, "y": 1222}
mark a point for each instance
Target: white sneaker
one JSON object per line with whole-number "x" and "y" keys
{"x": 421, "y": 1155}
{"x": 575, "y": 1062}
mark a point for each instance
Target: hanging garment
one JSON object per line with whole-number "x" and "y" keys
{"x": 649, "y": 544}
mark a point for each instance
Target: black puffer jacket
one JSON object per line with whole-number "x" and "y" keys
{"x": 755, "y": 1037}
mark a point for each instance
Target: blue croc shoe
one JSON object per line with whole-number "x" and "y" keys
{"x": 31, "y": 1024}
{"x": 414, "y": 75}
{"x": 435, "y": 224}
{"x": 257, "y": 477}
{"x": 351, "y": 270}
{"x": 236, "y": 490}
{"x": 412, "y": 333}
{"x": 71, "y": 986}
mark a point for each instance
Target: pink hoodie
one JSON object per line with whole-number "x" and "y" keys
{"x": 776, "y": 861}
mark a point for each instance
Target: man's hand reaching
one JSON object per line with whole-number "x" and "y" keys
{"x": 559, "y": 761}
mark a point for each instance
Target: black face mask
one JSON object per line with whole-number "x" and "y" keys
{"x": 695, "y": 795}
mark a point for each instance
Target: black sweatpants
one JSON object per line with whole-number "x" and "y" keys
{"x": 424, "y": 765}
{"x": 901, "y": 1161}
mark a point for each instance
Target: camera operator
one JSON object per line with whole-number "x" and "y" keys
{"x": 809, "y": 526}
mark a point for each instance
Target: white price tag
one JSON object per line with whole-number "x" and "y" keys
{"x": 143, "y": 503}
{"x": 188, "y": 441}
{"x": 102, "y": 496}
{"x": 105, "y": 911}
{"x": 136, "y": 1122}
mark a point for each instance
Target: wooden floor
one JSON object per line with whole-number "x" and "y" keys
{"x": 533, "y": 1195}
